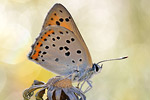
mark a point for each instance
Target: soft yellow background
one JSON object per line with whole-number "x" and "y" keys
{"x": 110, "y": 28}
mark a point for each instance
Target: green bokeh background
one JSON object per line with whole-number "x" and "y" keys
{"x": 110, "y": 28}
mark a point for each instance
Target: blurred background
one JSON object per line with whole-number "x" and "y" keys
{"x": 110, "y": 28}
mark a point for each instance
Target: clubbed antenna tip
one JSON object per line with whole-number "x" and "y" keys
{"x": 124, "y": 57}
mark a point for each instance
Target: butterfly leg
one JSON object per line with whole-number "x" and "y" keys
{"x": 36, "y": 82}
{"x": 89, "y": 87}
{"x": 82, "y": 85}
{"x": 78, "y": 85}
{"x": 72, "y": 76}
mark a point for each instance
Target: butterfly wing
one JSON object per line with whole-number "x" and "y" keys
{"x": 59, "y": 50}
{"x": 59, "y": 15}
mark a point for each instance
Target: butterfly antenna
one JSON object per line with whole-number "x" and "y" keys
{"x": 113, "y": 59}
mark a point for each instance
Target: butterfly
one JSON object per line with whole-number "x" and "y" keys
{"x": 61, "y": 49}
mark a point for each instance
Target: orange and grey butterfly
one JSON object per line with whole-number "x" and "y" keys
{"x": 60, "y": 47}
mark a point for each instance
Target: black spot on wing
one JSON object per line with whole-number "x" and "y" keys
{"x": 67, "y": 19}
{"x": 56, "y": 59}
{"x": 36, "y": 59}
{"x": 53, "y": 33}
{"x": 53, "y": 39}
{"x": 72, "y": 39}
{"x": 61, "y": 11}
{"x": 79, "y": 51}
{"x": 58, "y": 37}
{"x": 80, "y": 59}
{"x": 73, "y": 61}
{"x": 46, "y": 47}
{"x": 57, "y": 23}
{"x": 41, "y": 45}
{"x": 60, "y": 32}
{"x": 45, "y": 39}
{"x": 44, "y": 53}
{"x": 68, "y": 41}
{"x": 67, "y": 53}
{"x": 53, "y": 45}
{"x": 61, "y": 19}
{"x": 66, "y": 48}
{"x": 60, "y": 48}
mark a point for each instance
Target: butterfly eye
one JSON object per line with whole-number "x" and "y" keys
{"x": 96, "y": 68}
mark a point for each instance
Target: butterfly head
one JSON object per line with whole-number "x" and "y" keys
{"x": 96, "y": 68}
